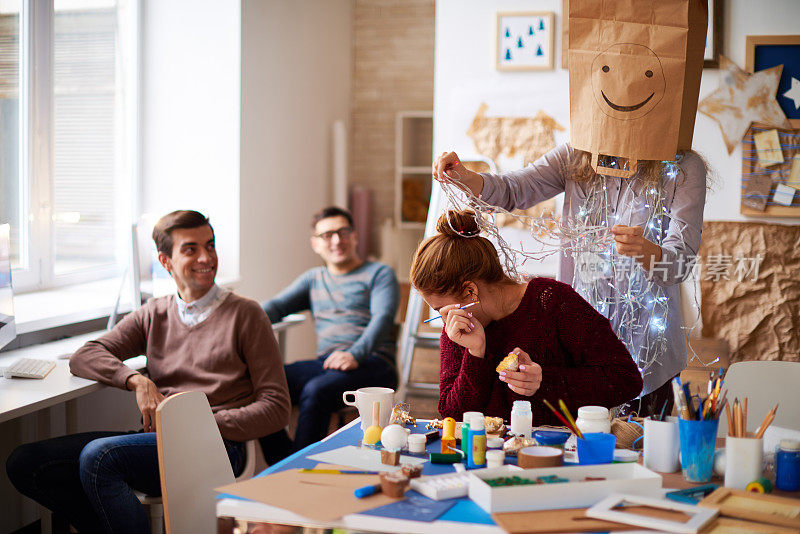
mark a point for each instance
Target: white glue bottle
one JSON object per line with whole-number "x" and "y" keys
{"x": 521, "y": 419}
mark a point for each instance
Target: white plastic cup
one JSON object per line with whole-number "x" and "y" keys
{"x": 495, "y": 458}
{"x": 416, "y": 443}
{"x": 661, "y": 446}
{"x": 744, "y": 461}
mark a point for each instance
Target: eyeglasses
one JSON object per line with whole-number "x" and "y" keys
{"x": 343, "y": 233}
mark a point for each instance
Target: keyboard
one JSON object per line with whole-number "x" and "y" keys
{"x": 29, "y": 368}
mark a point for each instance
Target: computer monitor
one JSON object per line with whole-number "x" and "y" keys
{"x": 8, "y": 329}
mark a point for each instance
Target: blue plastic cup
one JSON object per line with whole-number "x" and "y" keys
{"x": 698, "y": 442}
{"x": 596, "y": 448}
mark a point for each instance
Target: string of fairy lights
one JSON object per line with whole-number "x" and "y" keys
{"x": 617, "y": 286}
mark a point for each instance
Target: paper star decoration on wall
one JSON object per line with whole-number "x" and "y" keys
{"x": 744, "y": 98}
{"x": 793, "y": 94}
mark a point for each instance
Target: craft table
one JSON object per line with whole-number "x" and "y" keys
{"x": 465, "y": 516}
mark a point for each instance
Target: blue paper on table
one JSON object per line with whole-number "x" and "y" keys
{"x": 415, "y": 506}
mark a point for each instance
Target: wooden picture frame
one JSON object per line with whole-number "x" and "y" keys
{"x": 714, "y": 34}
{"x": 612, "y": 509}
{"x": 525, "y": 41}
{"x": 765, "y": 51}
{"x": 761, "y": 508}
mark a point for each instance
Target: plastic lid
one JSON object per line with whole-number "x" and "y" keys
{"x": 593, "y": 412}
{"x": 477, "y": 423}
{"x": 494, "y": 443}
{"x": 469, "y": 415}
{"x": 790, "y": 445}
{"x": 625, "y": 455}
{"x": 522, "y": 405}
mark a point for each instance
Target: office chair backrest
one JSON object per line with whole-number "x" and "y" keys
{"x": 192, "y": 462}
{"x": 765, "y": 384}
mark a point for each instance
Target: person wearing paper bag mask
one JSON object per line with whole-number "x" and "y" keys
{"x": 533, "y": 319}
{"x": 635, "y": 69}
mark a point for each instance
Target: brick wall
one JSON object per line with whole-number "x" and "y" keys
{"x": 392, "y": 71}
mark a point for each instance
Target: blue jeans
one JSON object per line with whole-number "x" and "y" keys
{"x": 89, "y": 478}
{"x": 317, "y": 392}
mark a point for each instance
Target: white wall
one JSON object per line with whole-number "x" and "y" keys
{"x": 295, "y": 83}
{"x": 465, "y": 76}
{"x": 190, "y": 114}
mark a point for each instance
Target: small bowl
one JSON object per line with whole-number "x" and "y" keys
{"x": 551, "y": 438}
{"x": 531, "y": 457}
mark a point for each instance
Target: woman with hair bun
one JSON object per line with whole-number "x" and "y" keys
{"x": 566, "y": 349}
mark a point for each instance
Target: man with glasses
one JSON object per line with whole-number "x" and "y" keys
{"x": 353, "y": 303}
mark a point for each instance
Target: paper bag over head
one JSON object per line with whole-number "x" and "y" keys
{"x": 634, "y": 77}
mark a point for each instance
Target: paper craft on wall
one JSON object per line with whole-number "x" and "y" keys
{"x": 742, "y": 99}
{"x": 771, "y": 172}
{"x": 524, "y": 41}
{"x": 529, "y": 137}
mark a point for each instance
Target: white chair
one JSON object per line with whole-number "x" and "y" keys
{"x": 155, "y": 506}
{"x": 765, "y": 384}
{"x": 192, "y": 461}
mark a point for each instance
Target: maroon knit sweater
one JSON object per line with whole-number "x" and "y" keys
{"x": 583, "y": 362}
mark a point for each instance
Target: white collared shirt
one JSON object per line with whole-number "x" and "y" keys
{"x": 198, "y": 311}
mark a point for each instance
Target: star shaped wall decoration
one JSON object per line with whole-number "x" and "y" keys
{"x": 793, "y": 94}
{"x": 742, "y": 99}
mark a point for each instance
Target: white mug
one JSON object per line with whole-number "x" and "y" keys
{"x": 661, "y": 445}
{"x": 363, "y": 399}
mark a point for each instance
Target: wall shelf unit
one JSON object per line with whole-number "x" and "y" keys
{"x": 412, "y": 174}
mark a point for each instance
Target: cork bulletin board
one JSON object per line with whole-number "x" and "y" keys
{"x": 771, "y": 172}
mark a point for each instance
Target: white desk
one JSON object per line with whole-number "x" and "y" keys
{"x": 21, "y": 396}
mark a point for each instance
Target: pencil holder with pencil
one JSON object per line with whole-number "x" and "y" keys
{"x": 698, "y": 442}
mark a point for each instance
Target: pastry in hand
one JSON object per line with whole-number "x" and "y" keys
{"x": 509, "y": 363}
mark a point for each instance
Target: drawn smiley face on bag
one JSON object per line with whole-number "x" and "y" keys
{"x": 627, "y": 81}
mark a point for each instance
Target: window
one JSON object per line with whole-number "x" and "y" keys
{"x": 67, "y": 148}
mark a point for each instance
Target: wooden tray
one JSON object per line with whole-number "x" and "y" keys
{"x": 756, "y": 507}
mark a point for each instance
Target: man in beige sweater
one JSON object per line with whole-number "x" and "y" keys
{"x": 204, "y": 338}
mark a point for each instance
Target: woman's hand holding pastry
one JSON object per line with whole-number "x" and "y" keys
{"x": 527, "y": 379}
{"x": 462, "y": 328}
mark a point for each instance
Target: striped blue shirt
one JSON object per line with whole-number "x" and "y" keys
{"x": 353, "y": 312}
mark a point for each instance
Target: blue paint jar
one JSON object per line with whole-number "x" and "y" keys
{"x": 787, "y": 465}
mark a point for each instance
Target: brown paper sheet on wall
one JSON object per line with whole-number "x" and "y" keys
{"x": 634, "y": 77}
{"x": 760, "y": 319}
{"x": 529, "y": 137}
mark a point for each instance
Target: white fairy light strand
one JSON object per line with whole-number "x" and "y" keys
{"x": 636, "y": 306}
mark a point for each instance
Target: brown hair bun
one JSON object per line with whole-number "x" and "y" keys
{"x": 457, "y": 224}
{"x": 456, "y": 254}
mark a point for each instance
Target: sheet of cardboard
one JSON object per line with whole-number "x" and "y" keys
{"x": 569, "y": 520}
{"x": 321, "y": 497}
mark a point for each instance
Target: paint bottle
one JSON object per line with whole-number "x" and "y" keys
{"x": 448, "y": 435}
{"x": 477, "y": 438}
{"x": 465, "y": 444}
{"x": 787, "y": 465}
{"x": 521, "y": 419}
